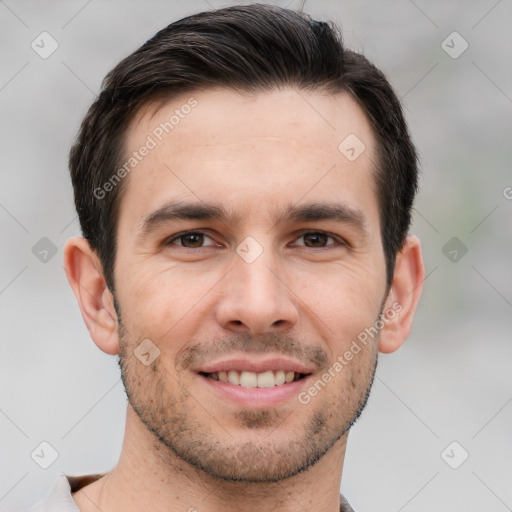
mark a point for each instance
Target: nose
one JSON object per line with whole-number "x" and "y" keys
{"x": 257, "y": 299}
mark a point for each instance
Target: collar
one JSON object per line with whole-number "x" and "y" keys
{"x": 77, "y": 482}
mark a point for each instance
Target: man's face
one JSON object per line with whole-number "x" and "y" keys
{"x": 283, "y": 282}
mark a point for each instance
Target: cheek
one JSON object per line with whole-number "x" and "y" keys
{"x": 341, "y": 303}
{"x": 162, "y": 303}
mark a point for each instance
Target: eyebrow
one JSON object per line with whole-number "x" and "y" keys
{"x": 309, "y": 212}
{"x": 178, "y": 210}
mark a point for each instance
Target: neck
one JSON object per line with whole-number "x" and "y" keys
{"x": 150, "y": 477}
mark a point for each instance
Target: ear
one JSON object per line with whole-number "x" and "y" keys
{"x": 85, "y": 275}
{"x": 403, "y": 297}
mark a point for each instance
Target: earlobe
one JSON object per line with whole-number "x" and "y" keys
{"x": 407, "y": 284}
{"x": 85, "y": 275}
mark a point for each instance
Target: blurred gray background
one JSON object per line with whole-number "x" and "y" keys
{"x": 451, "y": 381}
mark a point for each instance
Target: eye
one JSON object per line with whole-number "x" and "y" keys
{"x": 317, "y": 239}
{"x": 190, "y": 240}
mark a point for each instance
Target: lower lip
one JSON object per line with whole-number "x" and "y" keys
{"x": 255, "y": 397}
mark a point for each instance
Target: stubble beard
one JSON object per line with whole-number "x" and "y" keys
{"x": 164, "y": 405}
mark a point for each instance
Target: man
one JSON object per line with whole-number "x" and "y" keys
{"x": 244, "y": 185}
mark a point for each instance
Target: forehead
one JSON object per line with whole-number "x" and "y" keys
{"x": 223, "y": 116}
{"x": 268, "y": 149}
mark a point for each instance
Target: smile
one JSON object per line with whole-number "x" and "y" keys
{"x": 248, "y": 379}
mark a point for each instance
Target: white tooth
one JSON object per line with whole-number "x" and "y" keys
{"x": 266, "y": 380}
{"x": 280, "y": 378}
{"x": 289, "y": 376}
{"x": 223, "y": 376}
{"x": 233, "y": 377}
{"x": 215, "y": 376}
{"x": 248, "y": 379}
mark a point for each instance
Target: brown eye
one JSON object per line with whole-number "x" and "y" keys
{"x": 315, "y": 239}
{"x": 190, "y": 240}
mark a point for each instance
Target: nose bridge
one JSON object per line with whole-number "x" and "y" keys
{"x": 256, "y": 298}
{"x": 259, "y": 282}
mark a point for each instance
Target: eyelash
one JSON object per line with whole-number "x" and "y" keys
{"x": 338, "y": 242}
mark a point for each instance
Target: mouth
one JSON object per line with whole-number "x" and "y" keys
{"x": 248, "y": 379}
{"x": 255, "y": 383}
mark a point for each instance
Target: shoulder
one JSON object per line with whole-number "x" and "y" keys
{"x": 59, "y": 498}
{"x": 345, "y": 506}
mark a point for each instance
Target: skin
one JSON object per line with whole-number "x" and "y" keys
{"x": 305, "y": 298}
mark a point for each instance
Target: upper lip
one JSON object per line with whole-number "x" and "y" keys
{"x": 251, "y": 365}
